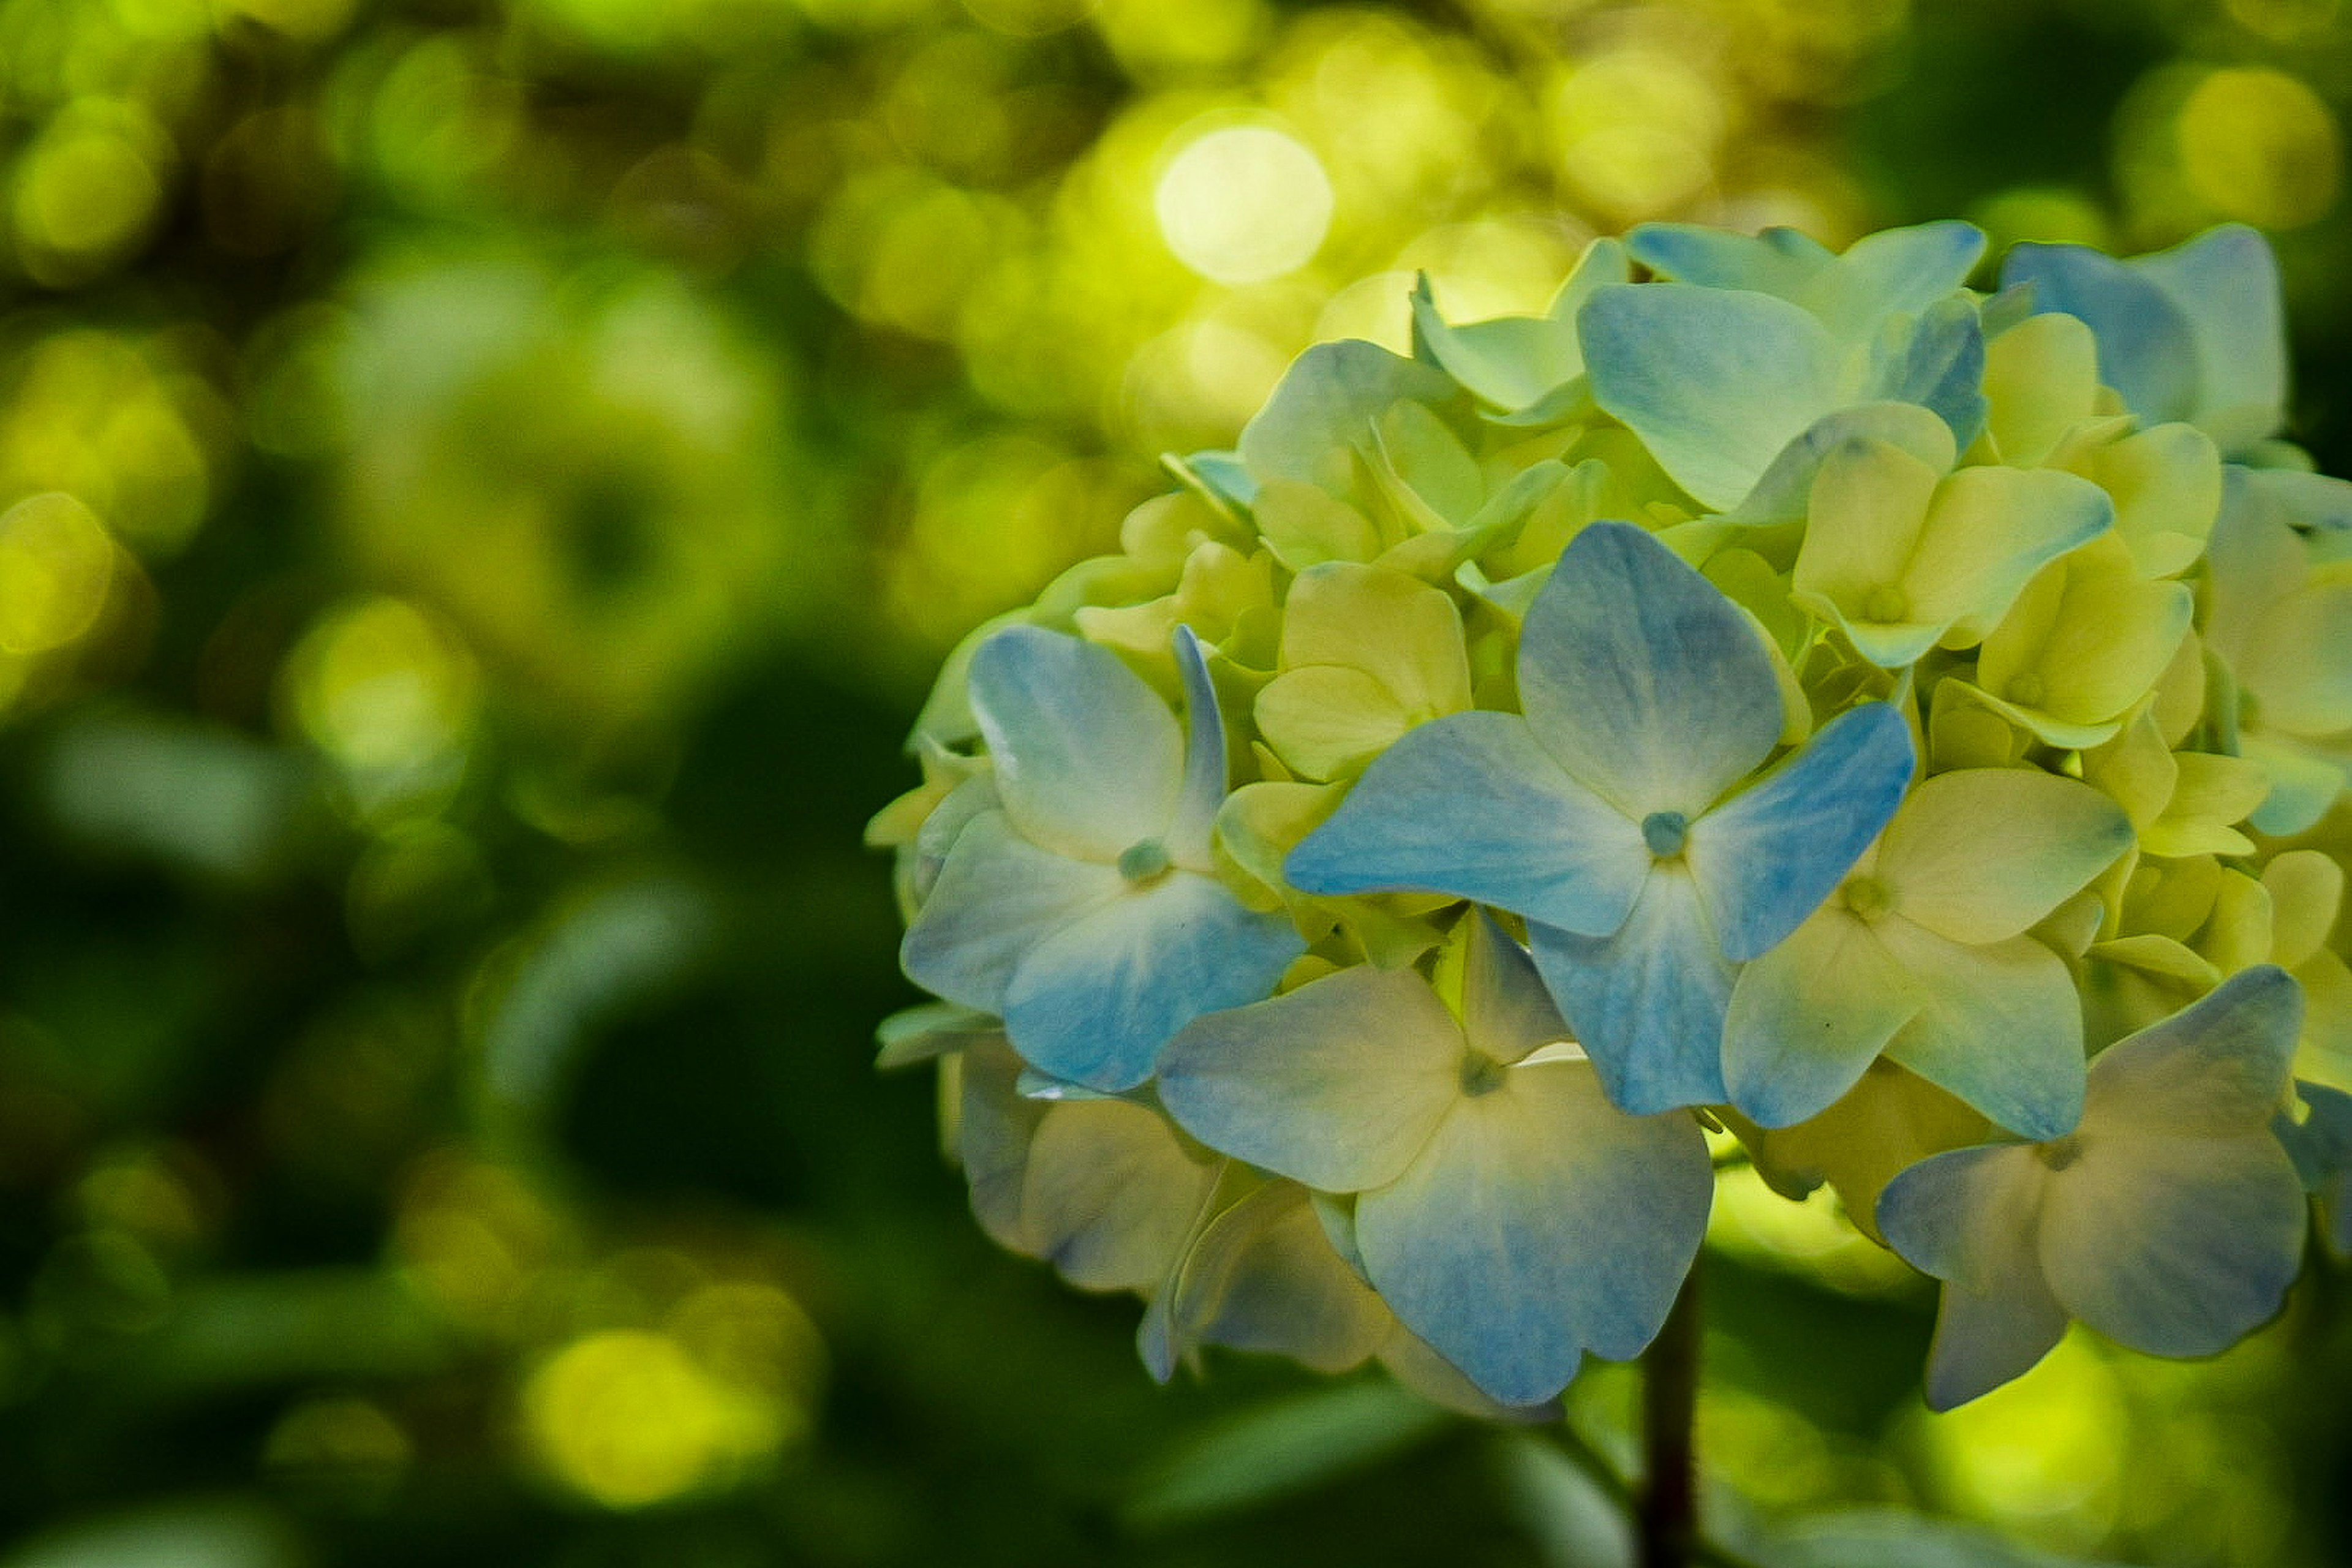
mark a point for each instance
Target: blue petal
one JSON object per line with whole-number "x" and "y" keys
{"x": 1985, "y": 1338}
{"x": 1647, "y": 1004}
{"x": 1967, "y": 1217}
{"x": 2317, "y": 506}
{"x": 1907, "y": 270}
{"x": 1939, "y": 365}
{"x": 1420, "y": 1370}
{"x": 1470, "y": 805}
{"x": 2304, "y": 786}
{"x": 997, "y": 896}
{"x": 2321, "y": 1144}
{"x": 2146, "y": 349}
{"x": 1898, "y": 271}
{"x": 1768, "y": 857}
{"x": 1217, "y": 478}
{"x": 1087, "y": 759}
{"x": 2179, "y": 1224}
{"x": 1187, "y": 841}
{"x": 2225, "y": 282}
{"x": 1649, "y": 686}
{"x": 1094, "y": 1001}
{"x": 1957, "y": 1214}
{"x": 1780, "y": 262}
{"x": 2321, "y": 1149}
{"x": 1714, "y": 382}
{"x": 1539, "y": 1223}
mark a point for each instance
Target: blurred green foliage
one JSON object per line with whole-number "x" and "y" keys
{"x": 483, "y": 487}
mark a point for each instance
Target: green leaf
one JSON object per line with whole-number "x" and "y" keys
{"x": 1282, "y": 1448}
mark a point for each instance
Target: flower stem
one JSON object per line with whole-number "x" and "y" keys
{"x": 1666, "y": 1520}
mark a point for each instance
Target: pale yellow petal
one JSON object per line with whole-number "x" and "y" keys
{"x": 2136, "y": 770}
{"x": 2306, "y": 889}
{"x": 2237, "y": 935}
{"x": 2298, "y": 661}
{"x": 1395, "y": 628}
{"x": 2087, "y": 638}
{"x": 1980, "y": 856}
{"x": 2166, "y": 486}
{"x": 2213, "y": 794}
{"x": 2042, "y": 378}
{"x": 1304, "y": 525}
{"x": 1891, "y": 1120}
{"x": 1329, "y": 722}
{"x": 1986, "y": 533}
{"x": 1869, "y": 502}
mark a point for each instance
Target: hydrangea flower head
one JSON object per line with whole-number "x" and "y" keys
{"x": 1800, "y": 698}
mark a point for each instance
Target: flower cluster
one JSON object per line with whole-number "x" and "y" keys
{"x": 1796, "y": 698}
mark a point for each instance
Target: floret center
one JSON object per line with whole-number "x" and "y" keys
{"x": 2059, "y": 1152}
{"x": 1666, "y": 832}
{"x": 1867, "y": 898}
{"x": 1481, "y": 1074}
{"x": 1143, "y": 862}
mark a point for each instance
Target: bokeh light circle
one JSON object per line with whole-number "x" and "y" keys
{"x": 56, "y": 561}
{"x": 1244, "y": 203}
{"x": 2260, "y": 145}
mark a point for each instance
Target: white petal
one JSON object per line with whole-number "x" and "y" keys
{"x": 1109, "y": 1192}
{"x": 1262, "y": 1278}
{"x": 2216, "y": 1068}
{"x": 1087, "y": 758}
{"x": 1809, "y": 1016}
{"x": 997, "y": 896}
{"x": 2174, "y": 1246}
{"x": 1337, "y": 1084}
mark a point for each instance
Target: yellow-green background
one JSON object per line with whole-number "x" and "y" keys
{"x": 527, "y": 459}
